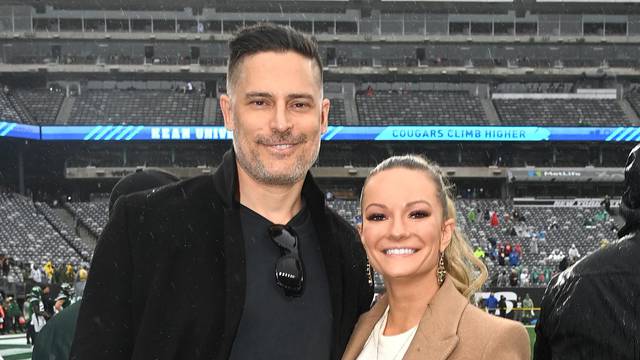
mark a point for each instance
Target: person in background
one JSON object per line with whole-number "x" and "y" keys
{"x": 64, "y": 298}
{"x": 492, "y": 304}
{"x": 573, "y": 253}
{"x": 37, "y": 316}
{"x": 81, "y": 280}
{"x": 606, "y": 203}
{"x": 494, "y": 219}
{"x": 54, "y": 341}
{"x": 13, "y": 311}
{"x": 472, "y": 215}
{"x": 514, "y": 258}
{"x": 527, "y": 309}
{"x": 517, "y": 312}
{"x": 429, "y": 270}
{"x": 524, "y": 278}
{"x": 513, "y": 278}
{"x": 502, "y": 306}
{"x": 590, "y": 310}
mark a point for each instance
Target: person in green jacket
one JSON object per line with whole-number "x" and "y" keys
{"x": 12, "y": 315}
{"x": 54, "y": 341}
{"x": 64, "y": 298}
{"x": 37, "y": 317}
{"x": 472, "y": 215}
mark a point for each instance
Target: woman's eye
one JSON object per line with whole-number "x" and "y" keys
{"x": 418, "y": 214}
{"x": 376, "y": 217}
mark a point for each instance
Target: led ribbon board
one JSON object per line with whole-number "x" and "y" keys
{"x": 351, "y": 133}
{"x": 482, "y": 133}
{"x": 135, "y": 132}
{"x": 20, "y": 131}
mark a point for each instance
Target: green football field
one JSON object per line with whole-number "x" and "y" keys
{"x": 14, "y": 347}
{"x": 532, "y": 336}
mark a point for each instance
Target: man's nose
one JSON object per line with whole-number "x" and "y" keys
{"x": 280, "y": 120}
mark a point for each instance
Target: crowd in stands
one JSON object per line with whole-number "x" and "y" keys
{"x": 526, "y": 246}
{"x": 521, "y": 246}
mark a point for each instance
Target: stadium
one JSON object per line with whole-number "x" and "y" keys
{"x": 530, "y": 107}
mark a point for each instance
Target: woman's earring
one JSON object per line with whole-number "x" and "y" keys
{"x": 369, "y": 274}
{"x": 442, "y": 272}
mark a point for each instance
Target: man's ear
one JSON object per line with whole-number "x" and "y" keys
{"x": 326, "y": 105}
{"x": 448, "y": 229}
{"x": 227, "y": 114}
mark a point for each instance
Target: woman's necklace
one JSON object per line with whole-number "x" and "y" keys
{"x": 409, "y": 336}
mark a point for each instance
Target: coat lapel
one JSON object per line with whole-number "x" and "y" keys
{"x": 436, "y": 337}
{"x": 331, "y": 255}
{"x": 226, "y": 184}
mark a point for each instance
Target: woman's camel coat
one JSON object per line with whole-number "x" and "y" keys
{"x": 452, "y": 329}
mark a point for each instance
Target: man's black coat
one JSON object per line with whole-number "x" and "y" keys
{"x": 167, "y": 279}
{"x": 591, "y": 310}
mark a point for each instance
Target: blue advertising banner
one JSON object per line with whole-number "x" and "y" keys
{"x": 482, "y": 133}
{"x": 127, "y": 133}
{"x": 20, "y": 131}
{"x": 334, "y": 133}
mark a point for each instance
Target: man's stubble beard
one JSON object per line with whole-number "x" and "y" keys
{"x": 251, "y": 163}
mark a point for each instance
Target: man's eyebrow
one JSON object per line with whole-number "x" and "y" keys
{"x": 258, "y": 94}
{"x": 300, "y": 96}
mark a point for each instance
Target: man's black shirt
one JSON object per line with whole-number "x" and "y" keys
{"x": 273, "y": 325}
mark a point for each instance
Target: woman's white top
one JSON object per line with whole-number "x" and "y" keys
{"x": 382, "y": 347}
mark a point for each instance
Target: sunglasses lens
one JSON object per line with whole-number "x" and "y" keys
{"x": 289, "y": 273}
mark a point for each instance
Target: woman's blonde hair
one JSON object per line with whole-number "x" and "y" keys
{"x": 466, "y": 271}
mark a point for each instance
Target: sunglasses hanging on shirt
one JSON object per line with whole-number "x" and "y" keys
{"x": 289, "y": 269}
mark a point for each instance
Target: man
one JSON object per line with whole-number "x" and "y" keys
{"x": 590, "y": 311}
{"x": 527, "y": 309}
{"x": 36, "y": 314}
{"x": 64, "y": 298}
{"x": 54, "y": 341}
{"x": 502, "y": 306}
{"x": 255, "y": 264}
{"x": 492, "y": 304}
{"x": 606, "y": 203}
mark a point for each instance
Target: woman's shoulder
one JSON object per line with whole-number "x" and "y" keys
{"x": 497, "y": 336}
{"x": 480, "y": 319}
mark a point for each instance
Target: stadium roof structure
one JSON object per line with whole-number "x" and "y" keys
{"x": 399, "y": 6}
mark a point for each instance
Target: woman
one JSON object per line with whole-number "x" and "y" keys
{"x": 409, "y": 233}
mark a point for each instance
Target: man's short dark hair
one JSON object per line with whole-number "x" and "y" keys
{"x": 265, "y": 37}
